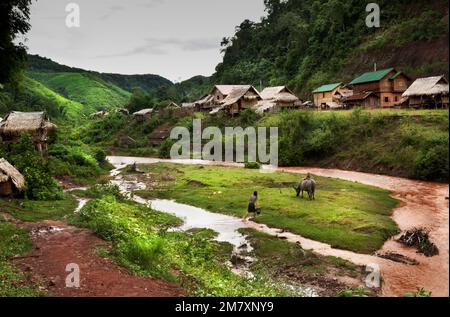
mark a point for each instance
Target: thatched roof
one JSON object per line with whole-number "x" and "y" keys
{"x": 9, "y": 172}
{"x": 99, "y": 114}
{"x": 227, "y": 89}
{"x": 143, "y": 112}
{"x": 429, "y": 86}
{"x": 188, "y": 105}
{"x": 279, "y": 94}
{"x": 264, "y": 106}
{"x": 205, "y": 100}
{"x": 173, "y": 105}
{"x": 239, "y": 92}
{"x": 18, "y": 122}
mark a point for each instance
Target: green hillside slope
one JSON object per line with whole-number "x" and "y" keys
{"x": 84, "y": 88}
{"x": 31, "y": 95}
{"x": 147, "y": 82}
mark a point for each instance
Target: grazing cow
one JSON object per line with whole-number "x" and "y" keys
{"x": 309, "y": 186}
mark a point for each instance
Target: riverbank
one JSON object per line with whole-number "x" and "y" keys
{"x": 422, "y": 204}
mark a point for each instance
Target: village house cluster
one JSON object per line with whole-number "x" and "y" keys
{"x": 232, "y": 99}
{"x": 386, "y": 88}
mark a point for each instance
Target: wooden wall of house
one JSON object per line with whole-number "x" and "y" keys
{"x": 6, "y": 188}
{"x": 218, "y": 96}
{"x": 360, "y": 88}
{"x": 400, "y": 83}
{"x": 388, "y": 99}
{"x": 323, "y": 98}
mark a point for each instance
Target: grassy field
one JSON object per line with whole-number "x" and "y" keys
{"x": 346, "y": 215}
{"x": 32, "y": 210}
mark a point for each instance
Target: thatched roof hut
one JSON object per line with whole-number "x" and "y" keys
{"x": 277, "y": 97}
{"x": 17, "y": 123}
{"x": 429, "y": 86}
{"x": 98, "y": 115}
{"x": 11, "y": 181}
{"x": 173, "y": 105}
{"x": 428, "y": 91}
{"x": 241, "y": 97}
{"x": 35, "y": 123}
{"x": 143, "y": 114}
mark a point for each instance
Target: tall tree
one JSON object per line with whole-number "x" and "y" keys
{"x": 14, "y": 17}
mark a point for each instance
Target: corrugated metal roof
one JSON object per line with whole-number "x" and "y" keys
{"x": 371, "y": 76}
{"x": 327, "y": 88}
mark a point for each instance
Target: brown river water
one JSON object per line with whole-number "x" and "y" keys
{"x": 423, "y": 205}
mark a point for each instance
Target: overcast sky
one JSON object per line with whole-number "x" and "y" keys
{"x": 176, "y": 39}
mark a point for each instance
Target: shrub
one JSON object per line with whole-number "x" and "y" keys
{"x": 142, "y": 251}
{"x": 39, "y": 182}
{"x": 164, "y": 151}
{"x": 432, "y": 163}
{"x": 252, "y": 165}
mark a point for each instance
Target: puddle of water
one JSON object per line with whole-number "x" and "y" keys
{"x": 226, "y": 226}
{"x": 81, "y": 203}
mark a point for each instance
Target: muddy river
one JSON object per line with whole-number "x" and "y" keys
{"x": 423, "y": 204}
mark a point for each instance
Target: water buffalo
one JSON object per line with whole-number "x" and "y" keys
{"x": 307, "y": 185}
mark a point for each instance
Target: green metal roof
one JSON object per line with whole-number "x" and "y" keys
{"x": 395, "y": 75}
{"x": 326, "y": 88}
{"x": 371, "y": 76}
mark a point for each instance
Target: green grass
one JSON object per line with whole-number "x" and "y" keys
{"x": 30, "y": 210}
{"x": 346, "y": 215}
{"x": 14, "y": 242}
{"x": 86, "y": 89}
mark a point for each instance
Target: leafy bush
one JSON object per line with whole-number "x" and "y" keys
{"x": 432, "y": 163}
{"x": 39, "y": 182}
{"x": 252, "y": 165}
{"x": 164, "y": 150}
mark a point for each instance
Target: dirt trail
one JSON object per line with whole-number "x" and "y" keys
{"x": 422, "y": 205}
{"x": 57, "y": 244}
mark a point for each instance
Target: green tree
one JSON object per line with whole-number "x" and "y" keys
{"x": 14, "y": 17}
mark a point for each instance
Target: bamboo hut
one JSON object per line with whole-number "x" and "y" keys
{"x": 143, "y": 114}
{"x": 275, "y": 98}
{"x": 240, "y": 98}
{"x": 160, "y": 135}
{"x": 428, "y": 92}
{"x": 36, "y": 124}
{"x": 11, "y": 181}
{"x": 98, "y": 115}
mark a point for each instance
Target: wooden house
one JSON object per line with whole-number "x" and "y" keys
{"x": 240, "y": 98}
{"x": 364, "y": 100}
{"x": 276, "y": 98}
{"x": 36, "y": 124}
{"x": 430, "y": 92}
{"x": 388, "y": 84}
{"x": 143, "y": 115}
{"x": 11, "y": 181}
{"x": 160, "y": 135}
{"x": 325, "y": 96}
{"x": 98, "y": 115}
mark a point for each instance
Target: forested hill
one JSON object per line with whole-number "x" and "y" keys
{"x": 148, "y": 82}
{"x": 306, "y": 43}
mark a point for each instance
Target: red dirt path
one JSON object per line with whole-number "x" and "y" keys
{"x": 99, "y": 277}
